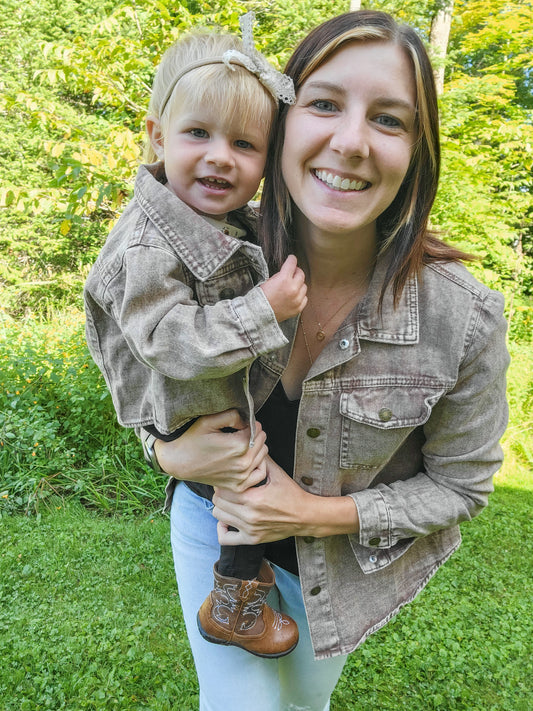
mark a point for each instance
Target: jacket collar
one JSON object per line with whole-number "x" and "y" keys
{"x": 201, "y": 247}
{"x": 398, "y": 325}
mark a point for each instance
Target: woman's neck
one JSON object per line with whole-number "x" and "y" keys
{"x": 332, "y": 261}
{"x": 339, "y": 269}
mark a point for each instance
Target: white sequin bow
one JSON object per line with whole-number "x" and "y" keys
{"x": 279, "y": 85}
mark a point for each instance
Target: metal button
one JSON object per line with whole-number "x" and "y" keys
{"x": 307, "y": 480}
{"x": 313, "y": 432}
{"x": 374, "y": 542}
{"x": 385, "y": 414}
{"x": 373, "y": 558}
{"x": 315, "y": 590}
{"x": 343, "y": 345}
{"x": 227, "y": 293}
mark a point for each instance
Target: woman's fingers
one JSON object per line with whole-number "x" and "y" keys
{"x": 216, "y": 450}
{"x": 261, "y": 514}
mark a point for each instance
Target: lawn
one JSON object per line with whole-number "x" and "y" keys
{"x": 90, "y": 619}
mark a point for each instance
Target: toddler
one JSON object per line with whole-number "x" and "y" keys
{"x": 179, "y": 302}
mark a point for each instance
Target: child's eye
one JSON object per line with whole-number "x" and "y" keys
{"x": 324, "y": 105}
{"x": 241, "y": 143}
{"x": 199, "y": 132}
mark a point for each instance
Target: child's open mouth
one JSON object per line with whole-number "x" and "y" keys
{"x": 215, "y": 183}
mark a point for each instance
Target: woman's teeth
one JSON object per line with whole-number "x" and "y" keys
{"x": 338, "y": 183}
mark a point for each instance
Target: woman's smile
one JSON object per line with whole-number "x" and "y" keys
{"x": 337, "y": 182}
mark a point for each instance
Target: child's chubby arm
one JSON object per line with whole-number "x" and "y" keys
{"x": 286, "y": 291}
{"x": 168, "y": 330}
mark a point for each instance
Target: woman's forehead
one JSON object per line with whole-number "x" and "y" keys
{"x": 374, "y": 66}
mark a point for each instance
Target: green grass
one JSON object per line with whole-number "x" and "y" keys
{"x": 90, "y": 619}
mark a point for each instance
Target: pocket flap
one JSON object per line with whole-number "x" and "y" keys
{"x": 390, "y": 407}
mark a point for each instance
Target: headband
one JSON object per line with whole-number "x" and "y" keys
{"x": 279, "y": 85}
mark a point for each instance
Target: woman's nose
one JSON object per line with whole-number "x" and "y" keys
{"x": 219, "y": 153}
{"x": 351, "y": 137}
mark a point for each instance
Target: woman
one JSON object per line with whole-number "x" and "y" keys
{"x": 388, "y": 406}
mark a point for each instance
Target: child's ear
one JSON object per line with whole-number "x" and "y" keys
{"x": 153, "y": 128}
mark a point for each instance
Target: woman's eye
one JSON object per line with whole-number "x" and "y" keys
{"x": 389, "y": 121}
{"x": 241, "y": 143}
{"x": 199, "y": 132}
{"x": 324, "y": 105}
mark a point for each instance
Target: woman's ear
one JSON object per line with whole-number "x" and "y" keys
{"x": 153, "y": 128}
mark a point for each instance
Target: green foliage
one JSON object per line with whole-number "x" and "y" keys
{"x": 518, "y": 439}
{"x": 48, "y": 443}
{"x": 486, "y": 198}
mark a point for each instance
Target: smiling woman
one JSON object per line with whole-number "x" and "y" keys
{"x": 384, "y": 411}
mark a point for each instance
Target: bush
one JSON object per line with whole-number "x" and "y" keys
{"x": 58, "y": 430}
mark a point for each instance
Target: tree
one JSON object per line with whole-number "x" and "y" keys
{"x": 439, "y": 34}
{"x": 486, "y": 200}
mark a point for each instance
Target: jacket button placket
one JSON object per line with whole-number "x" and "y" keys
{"x": 310, "y": 465}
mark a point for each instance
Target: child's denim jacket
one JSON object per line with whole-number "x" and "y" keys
{"x": 403, "y": 412}
{"x": 174, "y": 313}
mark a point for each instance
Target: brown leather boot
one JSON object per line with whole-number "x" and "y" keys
{"x": 235, "y": 613}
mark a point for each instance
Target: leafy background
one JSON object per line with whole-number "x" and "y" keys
{"x": 76, "y": 87}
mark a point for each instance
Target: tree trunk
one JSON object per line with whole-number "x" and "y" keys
{"x": 438, "y": 40}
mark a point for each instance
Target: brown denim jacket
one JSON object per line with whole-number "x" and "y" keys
{"x": 174, "y": 313}
{"x": 403, "y": 412}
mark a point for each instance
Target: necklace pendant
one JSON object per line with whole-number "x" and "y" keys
{"x": 320, "y": 335}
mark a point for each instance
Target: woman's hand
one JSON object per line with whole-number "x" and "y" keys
{"x": 280, "y": 509}
{"x": 207, "y": 455}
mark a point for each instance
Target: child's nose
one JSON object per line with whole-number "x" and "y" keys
{"x": 219, "y": 153}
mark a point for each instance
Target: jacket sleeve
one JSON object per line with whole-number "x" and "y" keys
{"x": 461, "y": 452}
{"x": 169, "y": 331}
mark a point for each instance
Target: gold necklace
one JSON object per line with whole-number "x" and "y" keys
{"x": 306, "y": 342}
{"x": 321, "y": 333}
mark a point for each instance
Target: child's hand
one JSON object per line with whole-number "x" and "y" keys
{"x": 286, "y": 291}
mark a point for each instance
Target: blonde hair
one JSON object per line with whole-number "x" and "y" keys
{"x": 235, "y": 91}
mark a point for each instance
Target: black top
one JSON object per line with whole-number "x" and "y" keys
{"x": 279, "y": 417}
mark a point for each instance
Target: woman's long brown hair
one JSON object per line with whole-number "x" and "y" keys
{"x": 403, "y": 227}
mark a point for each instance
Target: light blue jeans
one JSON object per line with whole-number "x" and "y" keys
{"x": 231, "y": 678}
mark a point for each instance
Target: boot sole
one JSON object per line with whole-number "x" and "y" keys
{"x": 227, "y": 643}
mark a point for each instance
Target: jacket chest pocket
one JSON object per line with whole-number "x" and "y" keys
{"x": 376, "y": 420}
{"x": 228, "y": 283}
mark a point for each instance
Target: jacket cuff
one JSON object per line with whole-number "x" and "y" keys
{"x": 257, "y": 317}
{"x": 374, "y": 519}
